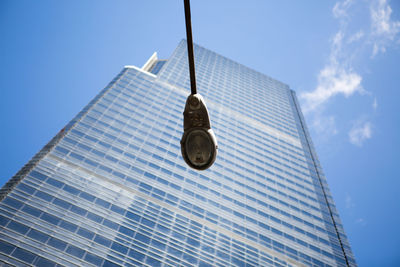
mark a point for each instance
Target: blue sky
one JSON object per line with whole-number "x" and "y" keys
{"x": 341, "y": 57}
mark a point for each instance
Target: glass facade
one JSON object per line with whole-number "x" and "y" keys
{"x": 111, "y": 188}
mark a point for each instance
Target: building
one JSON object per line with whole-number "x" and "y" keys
{"x": 111, "y": 188}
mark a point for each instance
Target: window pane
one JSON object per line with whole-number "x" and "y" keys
{"x": 18, "y": 227}
{"x": 39, "y": 236}
{"x": 23, "y": 255}
{"x": 75, "y": 251}
{"x": 57, "y": 243}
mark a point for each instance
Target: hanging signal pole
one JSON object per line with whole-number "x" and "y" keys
{"x": 190, "y": 46}
{"x": 198, "y": 143}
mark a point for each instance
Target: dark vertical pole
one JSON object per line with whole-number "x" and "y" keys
{"x": 190, "y": 46}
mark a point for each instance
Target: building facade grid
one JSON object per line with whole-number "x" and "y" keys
{"x": 111, "y": 189}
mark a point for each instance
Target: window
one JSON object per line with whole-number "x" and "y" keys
{"x": 96, "y": 260}
{"x": 68, "y": 226}
{"x": 18, "y": 227}
{"x": 85, "y": 233}
{"x": 57, "y": 243}
{"x": 75, "y": 251}
{"x": 102, "y": 240}
{"x": 12, "y": 202}
{"x": 32, "y": 211}
{"x": 120, "y": 248}
{"x": 23, "y": 255}
{"x": 39, "y": 236}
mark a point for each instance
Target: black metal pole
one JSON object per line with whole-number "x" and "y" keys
{"x": 190, "y": 47}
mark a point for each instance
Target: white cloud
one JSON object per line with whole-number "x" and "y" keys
{"x": 349, "y": 202}
{"x": 332, "y": 80}
{"x": 325, "y": 126}
{"x": 378, "y": 48}
{"x": 340, "y": 9}
{"x": 381, "y": 22}
{"x": 375, "y": 104}
{"x": 360, "y": 132}
{"x": 350, "y": 46}
{"x": 336, "y": 77}
{"x": 355, "y": 37}
{"x": 336, "y": 47}
{"x": 361, "y": 221}
{"x": 383, "y": 29}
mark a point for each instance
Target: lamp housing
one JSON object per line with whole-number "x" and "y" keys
{"x": 198, "y": 143}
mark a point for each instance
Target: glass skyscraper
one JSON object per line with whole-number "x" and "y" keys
{"x": 111, "y": 188}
